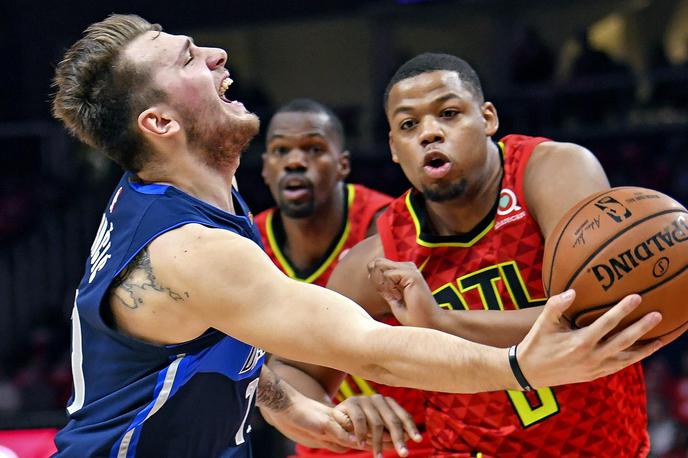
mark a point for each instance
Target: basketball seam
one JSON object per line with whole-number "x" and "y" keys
{"x": 563, "y": 230}
{"x": 611, "y": 239}
{"x": 575, "y": 317}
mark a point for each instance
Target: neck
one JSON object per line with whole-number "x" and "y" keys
{"x": 307, "y": 239}
{"x": 211, "y": 184}
{"x": 460, "y": 215}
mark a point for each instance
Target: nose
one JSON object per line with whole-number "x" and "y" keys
{"x": 216, "y": 58}
{"x": 430, "y": 131}
{"x": 296, "y": 159}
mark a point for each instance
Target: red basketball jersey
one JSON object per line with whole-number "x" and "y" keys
{"x": 362, "y": 204}
{"x": 498, "y": 266}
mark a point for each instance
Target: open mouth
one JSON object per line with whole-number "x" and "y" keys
{"x": 224, "y": 85}
{"x": 436, "y": 164}
{"x": 295, "y": 188}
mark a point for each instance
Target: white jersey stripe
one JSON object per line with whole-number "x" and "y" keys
{"x": 159, "y": 402}
{"x": 77, "y": 362}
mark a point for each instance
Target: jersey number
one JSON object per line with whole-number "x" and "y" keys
{"x": 530, "y": 413}
{"x": 250, "y": 392}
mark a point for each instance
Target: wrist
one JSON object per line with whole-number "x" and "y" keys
{"x": 518, "y": 374}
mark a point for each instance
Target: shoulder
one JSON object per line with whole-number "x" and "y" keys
{"x": 551, "y": 152}
{"x": 364, "y": 251}
{"x": 350, "y": 277}
{"x": 559, "y": 175}
{"x": 187, "y": 245}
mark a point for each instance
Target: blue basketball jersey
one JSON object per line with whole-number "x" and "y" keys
{"x": 133, "y": 398}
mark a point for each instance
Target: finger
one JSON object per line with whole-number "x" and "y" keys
{"x": 393, "y": 423}
{"x": 375, "y": 424}
{"x": 407, "y": 420}
{"x": 628, "y": 336}
{"x": 357, "y": 417}
{"x": 555, "y": 308}
{"x": 612, "y": 317}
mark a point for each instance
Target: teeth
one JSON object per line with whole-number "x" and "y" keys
{"x": 225, "y": 85}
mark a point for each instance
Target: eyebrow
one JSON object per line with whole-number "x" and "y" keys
{"x": 444, "y": 98}
{"x": 309, "y": 135}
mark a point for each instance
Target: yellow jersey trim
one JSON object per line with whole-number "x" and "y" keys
{"x": 288, "y": 269}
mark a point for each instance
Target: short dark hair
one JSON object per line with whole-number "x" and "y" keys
{"x": 430, "y": 62}
{"x": 99, "y": 92}
{"x": 305, "y": 105}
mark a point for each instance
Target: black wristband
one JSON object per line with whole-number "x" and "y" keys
{"x": 516, "y": 369}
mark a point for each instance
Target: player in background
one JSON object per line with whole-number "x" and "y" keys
{"x": 473, "y": 227}
{"x": 178, "y": 301}
{"x": 318, "y": 218}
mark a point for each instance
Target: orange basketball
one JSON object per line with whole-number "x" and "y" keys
{"x": 618, "y": 242}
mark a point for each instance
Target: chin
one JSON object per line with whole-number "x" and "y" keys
{"x": 443, "y": 193}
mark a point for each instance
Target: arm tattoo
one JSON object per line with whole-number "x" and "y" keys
{"x": 137, "y": 278}
{"x": 271, "y": 392}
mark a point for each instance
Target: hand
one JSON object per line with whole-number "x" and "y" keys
{"x": 403, "y": 287}
{"x": 553, "y": 354}
{"x": 371, "y": 415}
{"x": 314, "y": 424}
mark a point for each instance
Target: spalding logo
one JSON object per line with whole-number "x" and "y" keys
{"x": 617, "y": 266}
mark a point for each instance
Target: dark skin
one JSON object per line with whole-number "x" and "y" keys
{"x": 304, "y": 166}
{"x": 436, "y": 116}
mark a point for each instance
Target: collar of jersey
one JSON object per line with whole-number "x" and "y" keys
{"x": 277, "y": 238}
{"x": 415, "y": 203}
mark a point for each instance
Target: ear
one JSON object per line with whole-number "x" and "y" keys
{"x": 344, "y": 164}
{"x": 158, "y": 123}
{"x": 491, "y": 119}
{"x": 392, "y": 149}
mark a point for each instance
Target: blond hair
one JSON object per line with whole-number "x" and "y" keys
{"x": 100, "y": 94}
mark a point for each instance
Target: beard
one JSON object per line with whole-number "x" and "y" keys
{"x": 443, "y": 193}
{"x": 297, "y": 210}
{"x": 221, "y": 140}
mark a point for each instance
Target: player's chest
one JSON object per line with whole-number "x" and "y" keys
{"x": 490, "y": 275}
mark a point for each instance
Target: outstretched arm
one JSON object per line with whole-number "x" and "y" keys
{"x": 261, "y": 306}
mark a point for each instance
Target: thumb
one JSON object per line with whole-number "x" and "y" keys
{"x": 556, "y": 306}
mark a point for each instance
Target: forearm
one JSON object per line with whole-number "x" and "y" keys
{"x": 448, "y": 363}
{"x": 273, "y": 394}
{"x": 488, "y": 327}
{"x": 328, "y": 329}
{"x": 301, "y": 380}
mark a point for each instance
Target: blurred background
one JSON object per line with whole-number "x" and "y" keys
{"x": 611, "y": 75}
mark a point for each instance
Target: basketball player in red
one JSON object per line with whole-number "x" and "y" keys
{"x": 318, "y": 218}
{"x": 473, "y": 227}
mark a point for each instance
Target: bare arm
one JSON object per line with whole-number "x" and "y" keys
{"x": 261, "y": 306}
{"x": 226, "y": 282}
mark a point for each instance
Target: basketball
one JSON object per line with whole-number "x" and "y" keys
{"x": 618, "y": 242}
